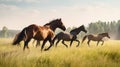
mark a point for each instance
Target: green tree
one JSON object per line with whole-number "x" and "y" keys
{"x": 4, "y": 31}
{"x": 118, "y": 33}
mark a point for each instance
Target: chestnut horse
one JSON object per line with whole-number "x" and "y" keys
{"x": 97, "y": 38}
{"x": 52, "y": 28}
{"x": 69, "y": 37}
{"x": 39, "y": 33}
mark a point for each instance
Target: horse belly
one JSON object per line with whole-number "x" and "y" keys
{"x": 96, "y": 39}
{"x": 38, "y": 36}
{"x": 45, "y": 33}
{"x": 67, "y": 37}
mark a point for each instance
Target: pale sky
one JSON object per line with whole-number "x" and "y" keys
{"x": 17, "y": 14}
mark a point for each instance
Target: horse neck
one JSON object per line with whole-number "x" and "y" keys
{"x": 53, "y": 27}
{"x": 78, "y": 30}
{"x": 102, "y": 35}
{"x": 75, "y": 32}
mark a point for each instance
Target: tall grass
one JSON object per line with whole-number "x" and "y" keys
{"x": 107, "y": 55}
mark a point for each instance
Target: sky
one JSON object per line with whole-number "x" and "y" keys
{"x": 17, "y": 14}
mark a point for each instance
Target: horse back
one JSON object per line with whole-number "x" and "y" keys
{"x": 43, "y": 33}
{"x": 64, "y": 36}
{"x": 94, "y": 37}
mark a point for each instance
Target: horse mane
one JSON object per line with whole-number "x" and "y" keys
{"x": 53, "y": 21}
{"x": 102, "y": 33}
{"x": 73, "y": 30}
{"x": 76, "y": 30}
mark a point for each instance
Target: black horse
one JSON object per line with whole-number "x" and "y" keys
{"x": 39, "y": 33}
{"x": 69, "y": 37}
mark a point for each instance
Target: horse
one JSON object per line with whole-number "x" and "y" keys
{"x": 97, "y": 38}
{"x": 39, "y": 33}
{"x": 52, "y": 28}
{"x": 72, "y": 36}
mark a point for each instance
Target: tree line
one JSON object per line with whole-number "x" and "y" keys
{"x": 6, "y": 33}
{"x": 112, "y": 27}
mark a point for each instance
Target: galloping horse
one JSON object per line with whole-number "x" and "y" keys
{"x": 39, "y": 33}
{"x": 97, "y": 38}
{"x": 69, "y": 37}
{"x": 53, "y": 28}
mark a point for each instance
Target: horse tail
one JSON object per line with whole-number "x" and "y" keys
{"x": 84, "y": 38}
{"x": 19, "y": 37}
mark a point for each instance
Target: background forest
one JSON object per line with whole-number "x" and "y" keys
{"x": 112, "y": 27}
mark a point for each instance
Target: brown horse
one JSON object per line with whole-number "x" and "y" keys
{"x": 60, "y": 25}
{"x": 39, "y": 33}
{"x": 97, "y": 38}
{"x": 69, "y": 37}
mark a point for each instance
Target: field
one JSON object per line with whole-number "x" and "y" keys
{"x": 107, "y": 55}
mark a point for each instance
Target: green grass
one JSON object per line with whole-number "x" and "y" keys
{"x": 107, "y": 55}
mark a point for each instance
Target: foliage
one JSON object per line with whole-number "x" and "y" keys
{"x": 4, "y": 31}
{"x": 113, "y": 28}
{"x": 9, "y": 34}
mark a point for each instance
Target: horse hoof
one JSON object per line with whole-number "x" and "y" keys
{"x": 41, "y": 50}
{"x": 77, "y": 46}
{"x": 45, "y": 49}
{"x": 66, "y": 46}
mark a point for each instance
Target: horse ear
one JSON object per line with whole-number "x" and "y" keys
{"x": 60, "y": 19}
{"x": 82, "y": 25}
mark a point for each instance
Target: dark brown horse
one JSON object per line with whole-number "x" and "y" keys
{"x": 69, "y": 37}
{"x": 60, "y": 25}
{"x": 39, "y": 33}
{"x": 97, "y": 38}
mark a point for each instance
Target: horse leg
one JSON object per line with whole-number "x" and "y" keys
{"x": 78, "y": 42}
{"x": 64, "y": 43}
{"x": 44, "y": 41}
{"x": 38, "y": 43}
{"x": 51, "y": 44}
{"x": 98, "y": 43}
{"x": 88, "y": 42}
{"x": 102, "y": 42}
{"x": 33, "y": 42}
{"x": 71, "y": 43}
{"x": 26, "y": 44}
{"x": 57, "y": 42}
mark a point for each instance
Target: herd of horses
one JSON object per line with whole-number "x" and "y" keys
{"x": 47, "y": 33}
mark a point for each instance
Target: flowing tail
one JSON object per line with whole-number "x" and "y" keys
{"x": 19, "y": 37}
{"x": 84, "y": 38}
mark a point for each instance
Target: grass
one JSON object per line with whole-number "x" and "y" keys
{"x": 107, "y": 55}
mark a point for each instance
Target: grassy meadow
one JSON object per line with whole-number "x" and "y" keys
{"x": 107, "y": 55}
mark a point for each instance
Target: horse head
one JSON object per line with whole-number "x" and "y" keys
{"x": 57, "y": 23}
{"x": 60, "y": 24}
{"x": 83, "y": 28}
{"x": 107, "y": 35}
